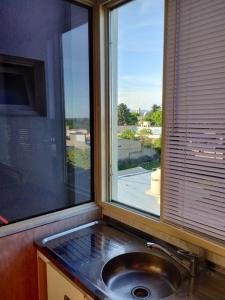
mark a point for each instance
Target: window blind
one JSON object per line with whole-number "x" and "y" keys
{"x": 194, "y": 142}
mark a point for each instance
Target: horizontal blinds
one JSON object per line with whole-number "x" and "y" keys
{"x": 194, "y": 177}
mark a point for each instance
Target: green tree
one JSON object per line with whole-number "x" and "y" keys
{"x": 128, "y": 134}
{"x": 155, "y": 108}
{"x": 143, "y": 136}
{"x": 157, "y": 145}
{"x": 147, "y": 117}
{"x": 133, "y": 118}
{"x": 153, "y": 114}
{"x": 77, "y": 123}
{"x": 156, "y": 118}
{"x": 123, "y": 114}
{"x": 70, "y": 123}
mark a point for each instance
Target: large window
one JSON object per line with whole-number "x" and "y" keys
{"x": 136, "y": 62}
{"x": 193, "y": 174}
{"x": 45, "y": 107}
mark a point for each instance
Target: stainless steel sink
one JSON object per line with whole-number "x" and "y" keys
{"x": 140, "y": 275}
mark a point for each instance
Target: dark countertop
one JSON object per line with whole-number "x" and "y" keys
{"x": 82, "y": 252}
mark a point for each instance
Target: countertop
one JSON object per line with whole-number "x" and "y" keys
{"x": 82, "y": 252}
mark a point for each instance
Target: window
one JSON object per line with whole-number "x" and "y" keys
{"x": 194, "y": 178}
{"x": 22, "y": 86}
{"x": 194, "y": 149}
{"x": 136, "y": 61}
{"x": 45, "y": 108}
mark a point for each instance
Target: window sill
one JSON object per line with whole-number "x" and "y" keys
{"x": 48, "y": 218}
{"x": 177, "y": 236}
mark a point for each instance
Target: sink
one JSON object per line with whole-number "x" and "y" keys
{"x": 140, "y": 275}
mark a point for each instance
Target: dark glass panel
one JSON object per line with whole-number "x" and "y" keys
{"x": 45, "y": 96}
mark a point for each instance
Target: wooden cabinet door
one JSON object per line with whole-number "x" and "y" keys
{"x": 60, "y": 288}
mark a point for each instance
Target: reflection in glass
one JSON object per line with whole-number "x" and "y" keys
{"x": 77, "y": 109}
{"x": 45, "y": 142}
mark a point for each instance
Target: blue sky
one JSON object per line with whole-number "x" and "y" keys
{"x": 140, "y": 53}
{"x": 140, "y": 59}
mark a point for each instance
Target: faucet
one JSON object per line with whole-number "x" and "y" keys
{"x": 186, "y": 259}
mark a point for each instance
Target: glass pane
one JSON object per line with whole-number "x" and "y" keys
{"x": 136, "y": 58}
{"x": 45, "y": 149}
{"x": 77, "y": 106}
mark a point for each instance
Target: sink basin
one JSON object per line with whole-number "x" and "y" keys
{"x": 140, "y": 275}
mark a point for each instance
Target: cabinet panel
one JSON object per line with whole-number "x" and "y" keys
{"x": 60, "y": 288}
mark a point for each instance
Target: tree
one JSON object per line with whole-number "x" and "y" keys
{"x": 123, "y": 114}
{"x": 144, "y": 137}
{"x": 153, "y": 114}
{"x": 133, "y": 118}
{"x": 156, "y": 118}
{"x": 157, "y": 145}
{"x": 128, "y": 134}
{"x": 147, "y": 117}
{"x": 155, "y": 108}
{"x": 70, "y": 123}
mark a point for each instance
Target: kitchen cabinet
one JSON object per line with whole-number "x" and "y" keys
{"x": 58, "y": 286}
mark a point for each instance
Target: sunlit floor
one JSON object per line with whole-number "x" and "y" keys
{"x": 134, "y": 187}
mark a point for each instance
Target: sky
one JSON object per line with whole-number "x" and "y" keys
{"x": 140, "y": 58}
{"x": 140, "y": 53}
{"x": 75, "y": 52}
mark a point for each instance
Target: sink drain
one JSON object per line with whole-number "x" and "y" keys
{"x": 140, "y": 292}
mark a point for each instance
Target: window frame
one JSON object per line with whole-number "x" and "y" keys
{"x": 155, "y": 226}
{"x": 112, "y": 159}
{"x": 105, "y": 8}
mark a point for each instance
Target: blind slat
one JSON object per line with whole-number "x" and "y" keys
{"x": 208, "y": 201}
{"x": 203, "y": 180}
{"x": 194, "y": 175}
